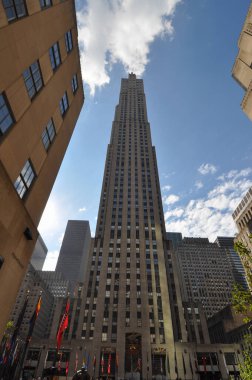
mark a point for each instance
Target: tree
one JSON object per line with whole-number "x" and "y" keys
{"x": 242, "y": 304}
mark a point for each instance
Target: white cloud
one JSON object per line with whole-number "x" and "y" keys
{"x": 199, "y": 184}
{"x": 211, "y": 216}
{"x": 171, "y": 199}
{"x": 82, "y": 209}
{"x": 207, "y": 169}
{"x": 166, "y": 188}
{"x": 112, "y": 31}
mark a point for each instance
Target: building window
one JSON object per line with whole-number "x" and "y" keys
{"x": 74, "y": 83}
{"x": 33, "y": 79}
{"x": 14, "y": 9}
{"x": 54, "y": 54}
{"x": 68, "y": 41}
{"x": 45, "y": 3}
{"x": 48, "y": 134}
{"x": 25, "y": 179}
{"x": 64, "y": 104}
{"x": 6, "y": 118}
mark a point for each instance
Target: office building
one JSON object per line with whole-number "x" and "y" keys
{"x": 41, "y": 96}
{"x": 127, "y": 317}
{"x": 206, "y": 274}
{"x": 242, "y": 216}
{"x": 242, "y": 71}
{"x": 33, "y": 286}
{"x": 39, "y": 254}
{"x": 238, "y": 270}
{"x": 175, "y": 238}
{"x": 73, "y": 256}
{"x": 58, "y": 285}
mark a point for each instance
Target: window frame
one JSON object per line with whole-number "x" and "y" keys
{"x": 32, "y": 78}
{"x": 43, "y": 4}
{"x": 69, "y": 41}
{"x": 14, "y": 7}
{"x": 21, "y": 179}
{"x": 6, "y": 104}
{"x": 62, "y": 105}
{"x": 52, "y": 56}
{"x": 75, "y": 84}
{"x": 46, "y": 132}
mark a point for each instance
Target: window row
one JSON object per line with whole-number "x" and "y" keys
{"x": 17, "y": 9}
{"x": 33, "y": 82}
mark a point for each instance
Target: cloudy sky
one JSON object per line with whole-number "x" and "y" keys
{"x": 184, "y": 50}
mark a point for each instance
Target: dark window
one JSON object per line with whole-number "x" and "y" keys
{"x": 48, "y": 134}
{"x": 25, "y": 179}
{"x": 74, "y": 83}
{"x": 33, "y": 79}
{"x": 54, "y": 54}
{"x": 14, "y": 9}
{"x": 45, "y": 3}
{"x": 68, "y": 41}
{"x": 6, "y": 118}
{"x": 64, "y": 104}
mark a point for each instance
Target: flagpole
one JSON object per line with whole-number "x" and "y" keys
{"x": 29, "y": 335}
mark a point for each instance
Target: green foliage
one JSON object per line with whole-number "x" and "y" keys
{"x": 242, "y": 304}
{"x": 246, "y": 256}
{"x": 246, "y": 366}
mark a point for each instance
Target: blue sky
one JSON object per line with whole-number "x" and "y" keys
{"x": 184, "y": 51}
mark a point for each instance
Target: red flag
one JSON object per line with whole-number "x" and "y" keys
{"x": 109, "y": 362}
{"x": 67, "y": 368}
{"x": 204, "y": 362}
{"x": 102, "y": 363}
{"x": 33, "y": 319}
{"x": 63, "y": 325}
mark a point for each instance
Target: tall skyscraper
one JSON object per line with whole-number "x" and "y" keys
{"x": 242, "y": 71}
{"x": 127, "y": 319}
{"x": 127, "y": 285}
{"x": 74, "y": 251}
{"x": 41, "y": 96}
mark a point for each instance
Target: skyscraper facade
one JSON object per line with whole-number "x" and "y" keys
{"x": 41, "y": 96}
{"x": 242, "y": 71}
{"x": 74, "y": 251}
{"x": 206, "y": 274}
{"x": 127, "y": 319}
{"x": 238, "y": 270}
{"x": 127, "y": 285}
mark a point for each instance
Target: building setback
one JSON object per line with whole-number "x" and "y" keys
{"x": 41, "y": 96}
{"x": 242, "y": 71}
{"x": 73, "y": 256}
{"x": 206, "y": 274}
